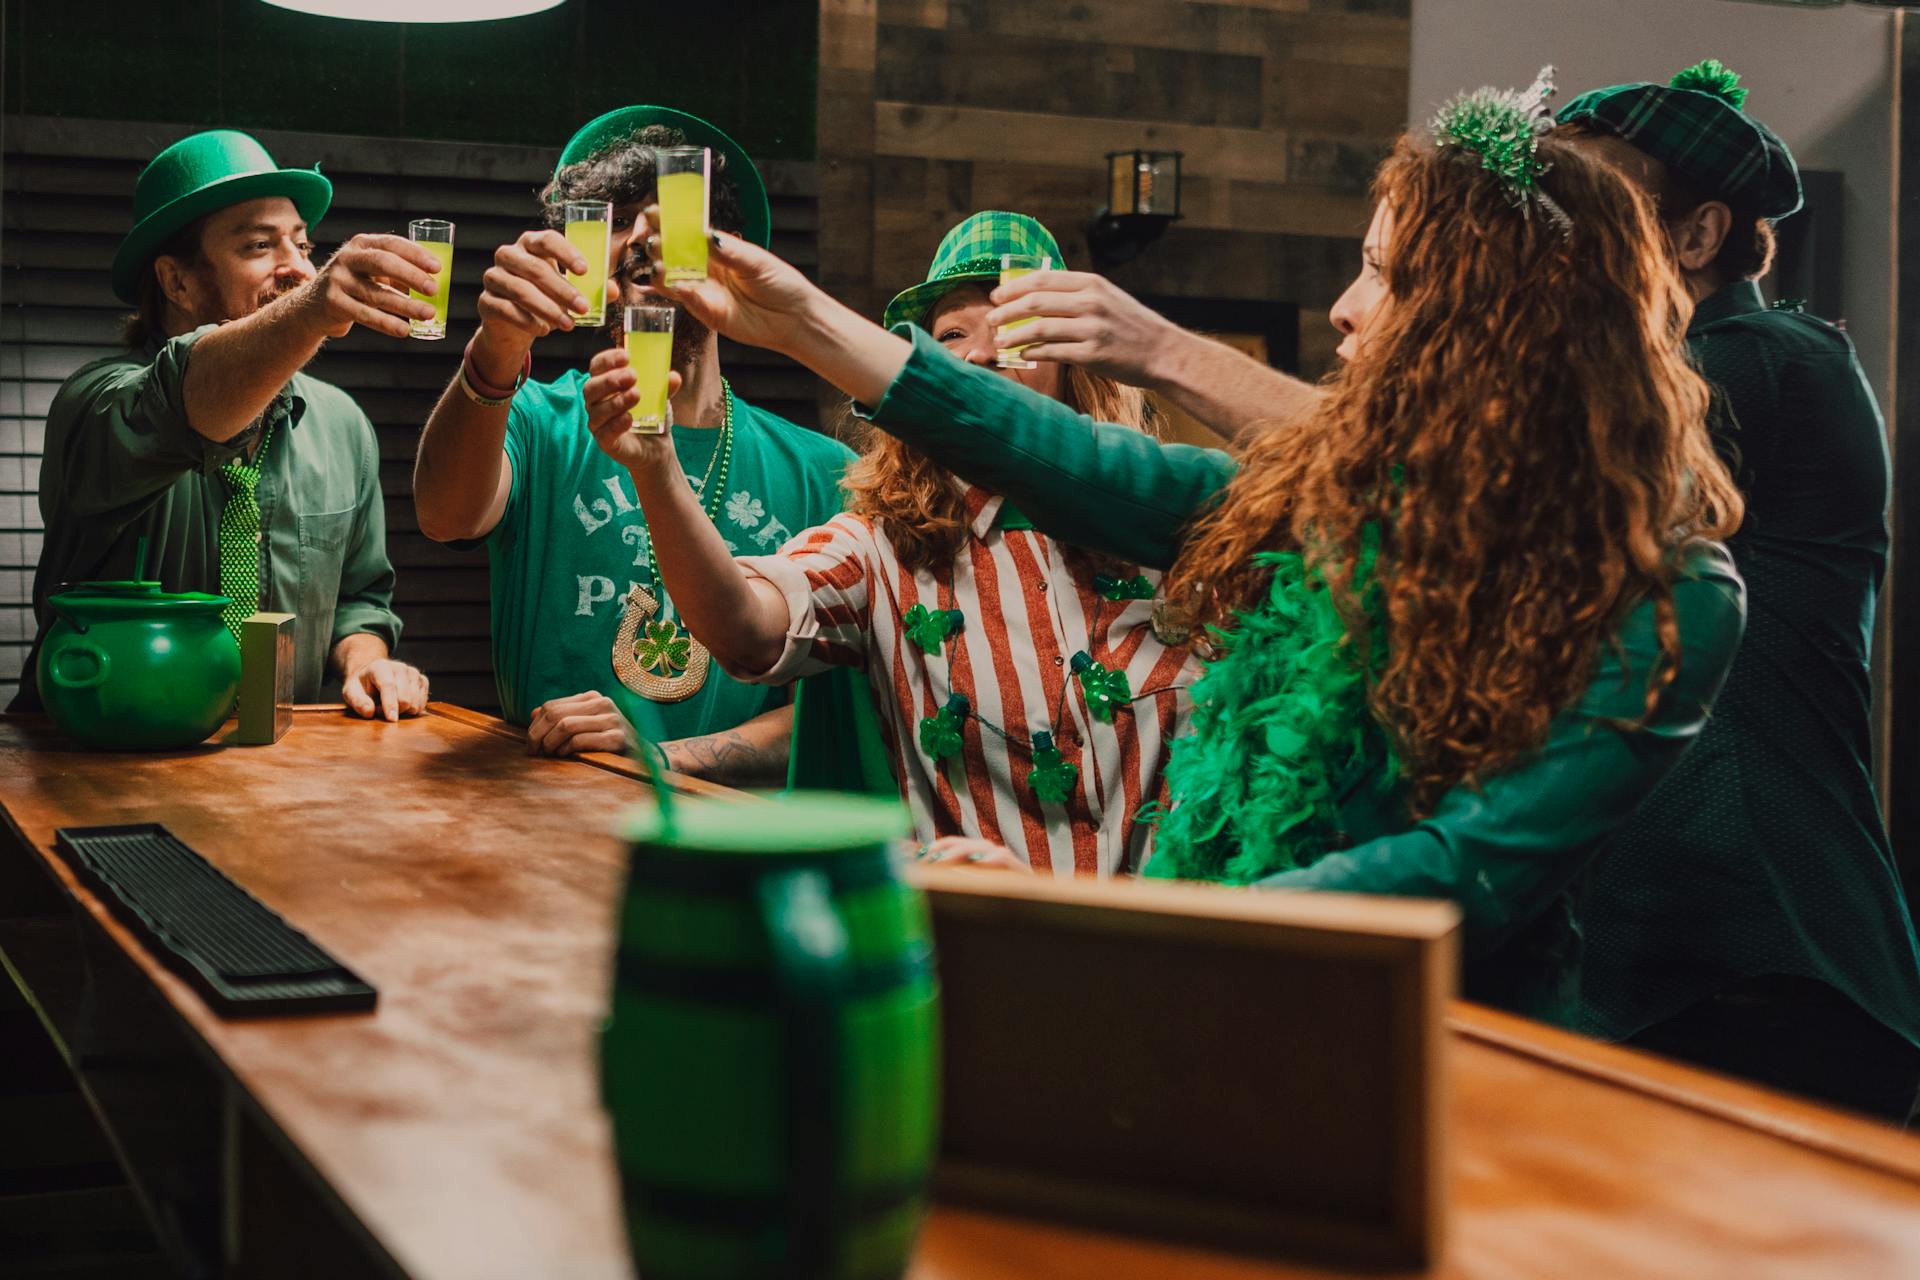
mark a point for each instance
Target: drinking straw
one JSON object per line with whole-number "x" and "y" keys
{"x": 646, "y": 729}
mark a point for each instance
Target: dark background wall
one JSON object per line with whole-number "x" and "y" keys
{"x": 932, "y": 109}
{"x": 533, "y": 80}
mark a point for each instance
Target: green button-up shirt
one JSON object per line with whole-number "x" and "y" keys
{"x": 123, "y": 463}
{"x": 1763, "y": 853}
{"x": 1513, "y": 854}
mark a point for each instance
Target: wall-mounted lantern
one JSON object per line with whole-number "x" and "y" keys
{"x": 1143, "y": 199}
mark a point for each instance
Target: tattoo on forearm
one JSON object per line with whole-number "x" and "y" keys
{"x": 730, "y": 757}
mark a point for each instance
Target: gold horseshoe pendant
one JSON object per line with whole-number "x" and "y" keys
{"x": 655, "y": 657}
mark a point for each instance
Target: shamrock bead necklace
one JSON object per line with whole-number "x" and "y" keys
{"x": 712, "y": 492}
{"x": 1106, "y": 691}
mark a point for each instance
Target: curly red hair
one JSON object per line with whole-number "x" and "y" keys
{"x": 919, "y": 505}
{"x": 1523, "y": 427}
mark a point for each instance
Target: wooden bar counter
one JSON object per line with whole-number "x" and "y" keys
{"x": 456, "y": 1132}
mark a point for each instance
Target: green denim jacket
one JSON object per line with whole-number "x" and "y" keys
{"x": 1511, "y": 854}
{"x": 123, "y": 463}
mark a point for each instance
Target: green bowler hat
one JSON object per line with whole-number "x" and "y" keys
{"x": 601, "y": 132}
{"x": 197, "y": 175}
{"x": 1696, "y": 124}
{"x": 971, "y": 253}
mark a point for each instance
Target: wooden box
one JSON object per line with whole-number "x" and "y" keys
{"x": 1251, "y": 1070}
{"x": 266, "y": 678}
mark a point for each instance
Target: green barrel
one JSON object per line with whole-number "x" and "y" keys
{"x": 771, "y": 1065}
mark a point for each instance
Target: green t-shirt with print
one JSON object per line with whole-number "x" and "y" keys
{"x": 573, "y": 542}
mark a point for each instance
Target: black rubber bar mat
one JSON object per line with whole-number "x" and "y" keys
{"x": 243, "y": 958}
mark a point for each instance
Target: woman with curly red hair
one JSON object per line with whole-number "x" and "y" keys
{"x": 1468, "y": 604}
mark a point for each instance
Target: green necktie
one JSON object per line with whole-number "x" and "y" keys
{"x": 240, "y": 537}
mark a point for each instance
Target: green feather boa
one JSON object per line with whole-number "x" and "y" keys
{"x": 1278, "y": 722}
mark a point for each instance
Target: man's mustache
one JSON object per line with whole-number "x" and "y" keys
{"x": 634, "y": 269}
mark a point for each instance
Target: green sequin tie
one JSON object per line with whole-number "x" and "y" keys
{"x": 240, "y": 537}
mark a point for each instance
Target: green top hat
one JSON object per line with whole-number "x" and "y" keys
{"x": 197, "y": 175}
{"x": 604, "y": 131}
{"x": 1696, "y": 124}
{"x": 971, "y": 252}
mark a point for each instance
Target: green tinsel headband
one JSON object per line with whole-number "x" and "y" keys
{"x": 1503, "y": 127}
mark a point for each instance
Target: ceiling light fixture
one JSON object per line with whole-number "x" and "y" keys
{"x": 416, "y": 10}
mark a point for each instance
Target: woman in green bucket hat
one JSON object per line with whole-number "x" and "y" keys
{"x": 1025, "y": 701}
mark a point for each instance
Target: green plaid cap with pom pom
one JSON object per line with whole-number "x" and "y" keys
{"x": 1697, "y": 125}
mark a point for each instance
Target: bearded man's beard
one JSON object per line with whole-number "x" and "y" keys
{"x": 689, "y": 335}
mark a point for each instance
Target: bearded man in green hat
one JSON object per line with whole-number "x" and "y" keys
{"x": 205, "y": 444}
{"x": 579, "y": 615}
{"x": 1749, "y": 918}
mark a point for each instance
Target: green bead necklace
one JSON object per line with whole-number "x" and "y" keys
{"x": 656, "y": 657}
{"x": 1107, "y": 691}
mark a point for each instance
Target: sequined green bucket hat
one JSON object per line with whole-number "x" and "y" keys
{"x": 970, "y": 253}
{"x": 197, "y": 175}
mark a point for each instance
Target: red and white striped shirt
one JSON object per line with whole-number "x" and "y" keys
{"x": 1026, "y": 615}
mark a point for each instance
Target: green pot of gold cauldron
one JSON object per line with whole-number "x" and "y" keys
{"x": 129, "y": 667}
{"x": 771, "y": 1065}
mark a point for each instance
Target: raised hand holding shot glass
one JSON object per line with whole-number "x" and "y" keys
{"x": 683, "y": 177}
{"x": 649, "y": 331}
{"x": 1012, "y": 267}
{"x": 436, "y": 237}
{"x": 590, "y": 230}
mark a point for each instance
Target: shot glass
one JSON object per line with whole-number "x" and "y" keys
{"x": 683, "y": 177}
{"x": 436, "y": 237}
{"x": 650, "y": 352}
{"x": 1012, "y": 267}
{"x": 590, "y": 230}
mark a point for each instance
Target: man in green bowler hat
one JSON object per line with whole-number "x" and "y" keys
{"x": 579, "y": 615}
{"x": 203, "y": 440}
{"x": 1749, "y": 917}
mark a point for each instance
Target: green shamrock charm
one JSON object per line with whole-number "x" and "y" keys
{"x": 1135, "y": 588}
{"x": 1053, "y": 775}
{"x": 1106, "y": 690}
{"x": 663, "y": 648}
{"x": 929, "y": 628}
{"x": 940, "y": 732}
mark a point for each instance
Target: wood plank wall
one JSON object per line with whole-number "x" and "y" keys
{"x": 931, "y": 109}
{"x": 67, "y": 195}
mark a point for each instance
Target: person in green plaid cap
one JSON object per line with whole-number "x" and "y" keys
{"x": 1750, "y": 917}
{"x": 203, "y": 442}
{"x": 579, "y": 615}
{"x": 1026, "y": 703}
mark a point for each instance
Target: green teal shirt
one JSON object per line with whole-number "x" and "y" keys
{"x": 573, "y": 541}
{"x": 1513, "y": 854}
{"x": 123, "y": 463}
